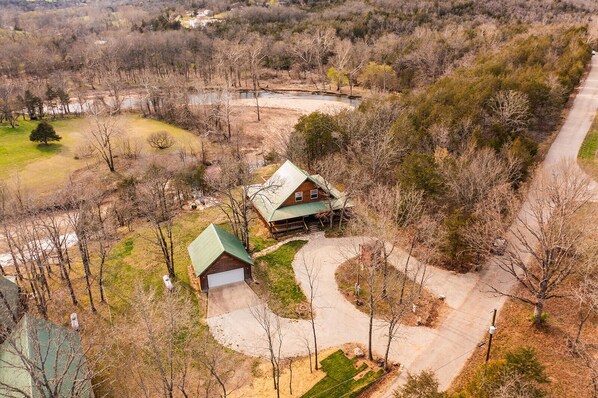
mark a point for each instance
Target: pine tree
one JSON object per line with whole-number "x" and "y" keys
{"x": 44, "y": 133}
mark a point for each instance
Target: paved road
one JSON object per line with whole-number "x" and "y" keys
{"x": 444, "y": 349}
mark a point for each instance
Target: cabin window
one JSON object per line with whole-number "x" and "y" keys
{"x": 313, "y": 194}
{"x": 299, "y": 196}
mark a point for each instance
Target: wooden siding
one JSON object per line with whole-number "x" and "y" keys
{"x": 306, "y": 187}
{"x": 225, "y": 262}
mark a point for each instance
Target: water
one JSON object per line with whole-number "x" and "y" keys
{"x": 133, "y": 101}
{"x": 45, "y": 245}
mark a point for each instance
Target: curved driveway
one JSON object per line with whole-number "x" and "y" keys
{"x": 338, "y": 321}
{"x": 444, "y": 349}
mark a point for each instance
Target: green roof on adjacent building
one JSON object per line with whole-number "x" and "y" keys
{"x": 211, "y": 244}
{"x": 40, "y": 350}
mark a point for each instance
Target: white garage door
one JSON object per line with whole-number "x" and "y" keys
{"x": 226, "y": 277}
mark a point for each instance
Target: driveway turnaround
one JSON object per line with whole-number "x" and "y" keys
{"x": 339, "y": 322}
{"x": 444, "y": 349}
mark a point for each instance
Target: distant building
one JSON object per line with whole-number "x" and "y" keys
{"x": 292, "y": 197}
{"x": 219, "y": 258}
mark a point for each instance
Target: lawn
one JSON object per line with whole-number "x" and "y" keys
{"x": 44, "y": 167}
{"x": 429, "y": 307}
{"x": 588, "y": 153}
{"x": 276, "y": 280}
{"x": 343, "y": 378}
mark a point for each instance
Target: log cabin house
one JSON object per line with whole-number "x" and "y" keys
{"x": 292, "y": 198}
{"x": 219, "y": 258}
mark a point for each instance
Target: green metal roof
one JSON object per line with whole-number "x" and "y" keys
{"x": 285, "y": 182}
{"x": 9, "y": 302}
{"x": 211, "y": 244}
{"x": 49, "y": 351}
{"x": 303, "y": 210}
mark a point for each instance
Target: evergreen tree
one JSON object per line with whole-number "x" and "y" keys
{"x": 44, "y": 133}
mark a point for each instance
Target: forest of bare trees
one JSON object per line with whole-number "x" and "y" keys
{"x": 457, "y": 101}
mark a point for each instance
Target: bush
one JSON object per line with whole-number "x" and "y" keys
{"x": 160, "y": 140}
{"x": 520, "y": 374}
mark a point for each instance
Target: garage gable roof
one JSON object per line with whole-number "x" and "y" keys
{"x": 211, "y": 244}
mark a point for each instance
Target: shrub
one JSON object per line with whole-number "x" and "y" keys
{"x": 160, "y": 140}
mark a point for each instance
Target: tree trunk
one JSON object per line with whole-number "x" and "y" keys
{"x": 390, "y": 332}
{"x": 291, "y": 376}
{"x": 538, "y": 310}
{"x": 370, "y": 331}
{"x": 85, "y": 260}
{"x": 404, "y": 282}
{"x": 580, "y": 327}
{"x": 313, "y": 328}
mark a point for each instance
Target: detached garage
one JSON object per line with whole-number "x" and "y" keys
{"x": 219, "y": 258}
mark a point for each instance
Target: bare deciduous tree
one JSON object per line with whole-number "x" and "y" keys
{"x": 233, "y": 183}
{"x": 157, "y": 204}
{"x": 270, "y": 324}
{"x": 542, "y": 248}
{"x": 160, "y": 140}
{"x": 510, "y": 109}
{"x": 311, "y": 272}
{"x": 103, "y": 138}
{"x": 164, "y": 319}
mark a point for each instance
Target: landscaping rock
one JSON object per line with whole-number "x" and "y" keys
{"x": 358, "y": 353}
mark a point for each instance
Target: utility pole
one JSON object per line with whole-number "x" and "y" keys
{"x": 492, "y": 331}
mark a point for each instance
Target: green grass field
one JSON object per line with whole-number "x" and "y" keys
{"x": 588, "y": 152}
{"x": 342, "y": 378}
{"x": 275, "y": 273}
{"x": 136, "y": 259}
{"x": 42, "y": 168}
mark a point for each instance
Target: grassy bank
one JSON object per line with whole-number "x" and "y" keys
{"x": 42, "y": 168}
{"x": 276, "y": 280}
{"x": 588, "y": 153}
{"x": 344, "y": 377}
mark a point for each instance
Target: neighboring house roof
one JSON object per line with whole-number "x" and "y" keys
{"x": 268, "y": 198}
{"x": 39, "y": 350}
{"x": 10, "y": 303}
{"x": 211, "y": 244}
